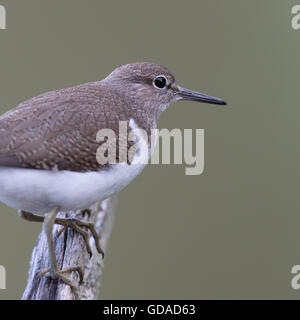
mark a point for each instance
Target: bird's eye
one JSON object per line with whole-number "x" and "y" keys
{"x": 160, "y": 82}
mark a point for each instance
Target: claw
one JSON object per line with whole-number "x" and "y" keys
{"x": 62, "y": 230}
{"x": 86, "y": 211}
{"x": 77, "y": 226}
{"x": 95, "y": 235}
{"x": 58, "y": 274}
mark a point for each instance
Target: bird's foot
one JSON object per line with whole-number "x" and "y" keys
{"x": 78, "y": 225}
{"x": 59, "y": 274}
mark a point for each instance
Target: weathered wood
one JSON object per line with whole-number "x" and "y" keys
{"x": 71, "y": 251}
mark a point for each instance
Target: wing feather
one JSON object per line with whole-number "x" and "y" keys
{"x": 59, "y": 128}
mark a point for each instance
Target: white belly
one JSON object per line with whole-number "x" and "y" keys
{"x": 39, "y": 191}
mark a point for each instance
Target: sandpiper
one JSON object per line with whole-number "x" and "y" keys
{"x": 48, "y": 145}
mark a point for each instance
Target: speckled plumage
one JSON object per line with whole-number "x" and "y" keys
{"x": 58, "y": 128}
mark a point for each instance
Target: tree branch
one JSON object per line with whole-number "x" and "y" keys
{"x": 71, "y": 251}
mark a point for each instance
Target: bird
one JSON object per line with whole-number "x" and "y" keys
{"x": 48, "y": 146}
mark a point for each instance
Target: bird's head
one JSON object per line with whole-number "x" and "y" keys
{"x": 152, "y": 86}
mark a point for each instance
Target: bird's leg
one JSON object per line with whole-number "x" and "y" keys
{"x": 71, "y": 223}
{"x": 54, "y": 270}
{"x": 30, "y": 216}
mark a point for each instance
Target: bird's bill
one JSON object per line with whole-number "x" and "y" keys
{"x": 190, "y": 95}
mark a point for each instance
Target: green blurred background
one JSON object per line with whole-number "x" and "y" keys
{"x": 232, "y": 232}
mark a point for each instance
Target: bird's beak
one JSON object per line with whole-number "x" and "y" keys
{"x": 187, "y": 94}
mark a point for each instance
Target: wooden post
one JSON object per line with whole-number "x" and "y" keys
{"x": 71, "y": 251}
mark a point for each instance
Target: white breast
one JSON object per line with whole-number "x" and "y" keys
{"x": 39, "y": 191}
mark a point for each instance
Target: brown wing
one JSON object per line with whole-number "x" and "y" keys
{"x": 59, "y": 128}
